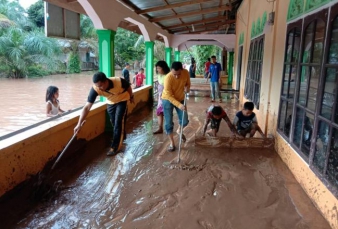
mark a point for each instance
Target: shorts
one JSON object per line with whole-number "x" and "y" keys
{"x": 214, "y": 124}
{"x": 246, "y": 131}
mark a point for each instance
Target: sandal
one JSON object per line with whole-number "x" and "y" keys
{"x": 171, "y": 148}
{"x": 159, "y": 131}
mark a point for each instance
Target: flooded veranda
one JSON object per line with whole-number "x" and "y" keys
{"x": 213, "y": 187}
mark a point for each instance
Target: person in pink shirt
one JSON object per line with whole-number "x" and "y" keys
{"x": 139, "y": 78}
{"x": 206, "y": 68}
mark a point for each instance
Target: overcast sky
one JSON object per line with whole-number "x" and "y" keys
{"x": 27, "y": 3}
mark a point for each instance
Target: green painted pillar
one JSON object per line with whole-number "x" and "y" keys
{"x": 106, "y": 53}
{"x": 177, "y": 55}
{"x": 168, "y": 51}
{"x": 149, "y": 62}
{"x": 107, "y": 63}
{"x": 230, "y": 68}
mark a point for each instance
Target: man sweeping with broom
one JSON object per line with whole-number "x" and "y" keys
{"x": 176, "y": 84}
{"x": 117, "y": 91}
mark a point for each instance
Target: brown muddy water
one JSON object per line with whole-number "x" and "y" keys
{"x": 23, "y": 100}
{"x": 213, "y": 187}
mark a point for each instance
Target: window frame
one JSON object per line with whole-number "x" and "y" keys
{"x": 252, "y": 79}
{"x": 239, "y": 66}
{"x": 321, "y": 15}
{"x": 328, "y": 16}
{"x": 292, "y": 26}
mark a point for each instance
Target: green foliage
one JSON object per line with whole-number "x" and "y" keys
{"x": 4, "y": 71}
{"x": 36, "y": 71}
{"x": 36, "y": 13}
{"x": 74, "y": 63}
{"x": 16, "y": 13}
{"x": 201, "y": 53}
{"x": 20, "y": 49}
{"x": 87, "y": 28}
{"x": 125, "y": 48}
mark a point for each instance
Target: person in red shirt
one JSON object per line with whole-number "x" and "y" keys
{"x": 215, "y": 114}
{"x": 139, "y": 78}
{"x": 206, "y": 68}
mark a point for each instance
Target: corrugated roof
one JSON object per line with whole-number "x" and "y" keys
{"x": 180, "y": 16}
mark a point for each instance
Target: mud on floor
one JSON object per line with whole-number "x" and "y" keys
{"x": 213, "y": 187}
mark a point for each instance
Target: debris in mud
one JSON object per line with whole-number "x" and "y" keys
{"x": 186, "y": 167}
{"x": 236, "y": 143}
{"x": 44, "y": 189}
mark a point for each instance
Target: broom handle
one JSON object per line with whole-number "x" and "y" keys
{"x": 181, "y": 129}
{"x": 66, "y": 147}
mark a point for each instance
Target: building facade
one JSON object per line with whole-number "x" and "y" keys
{"x": 287, "y": 64}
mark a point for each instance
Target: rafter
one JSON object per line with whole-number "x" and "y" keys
{"x": 71, "y": 1}
{"x": 205, "y": 11}
{"x": 216, "y": 19}
{"x": 171, "y": 6}
{"x": 200, "y": 26}
{"x": 200, "y": 31}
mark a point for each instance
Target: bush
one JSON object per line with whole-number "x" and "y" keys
{"x": 4, "y": 71}
{"x": 74, "y": 63}
{"x": 37, "y": 70}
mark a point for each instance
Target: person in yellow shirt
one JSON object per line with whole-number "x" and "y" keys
{"x": 117, "y": 91}
{"x": 176, "y": 84}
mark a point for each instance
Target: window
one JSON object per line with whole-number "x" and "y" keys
{"x": 308, "y": 114}
{"x": 254, "y": 71}
{"x": 239, "y": 67}
{"x": 292, "y": 51}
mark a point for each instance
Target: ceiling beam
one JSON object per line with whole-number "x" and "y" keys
{"x": 214, "y": 19}
{"x": 181, "y": 15}
{"x": 201, "y": 31}
{"x": 201, "y": 26}
{"x": 171, "y": 6}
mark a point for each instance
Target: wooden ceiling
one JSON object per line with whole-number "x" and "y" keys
{"x": 184, "y": 16}
{"x": 188, "y": 17}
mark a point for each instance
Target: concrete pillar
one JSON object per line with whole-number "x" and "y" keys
{"x": 107, "y": 62}
{"x": 106, "y": 53}
{"x": 168, "y": 51}
{"x": 177, "y": 55}
{"x": 225, "y": 61}
{"x": 230, "y": 69}
{"x": 149, "y": 62}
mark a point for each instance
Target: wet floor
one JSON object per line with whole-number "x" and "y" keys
{"x": 213, "y": 187}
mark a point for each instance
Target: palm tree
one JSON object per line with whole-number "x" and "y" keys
{"x": 159, "y": 48}
{"x": 5, "y": 22}
{"x": 20, "y": 49}
{"x": 15, "y": 13}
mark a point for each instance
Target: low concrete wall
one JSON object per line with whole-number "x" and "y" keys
{"x": 325, "y": 201}
{"x": 27, "y": 153}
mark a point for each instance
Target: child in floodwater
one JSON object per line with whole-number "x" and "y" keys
{"x": 214, "y": 115}
{"x": 52, "y": 102}
{"x": 246, "y": 121}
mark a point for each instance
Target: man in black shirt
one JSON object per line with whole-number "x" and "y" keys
{"x": 125, "y": 73}
{"x": 118, "y": 92}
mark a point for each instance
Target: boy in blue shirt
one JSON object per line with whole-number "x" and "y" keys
{"x": 246, "y": 121}
{"x": 214, "y": 75}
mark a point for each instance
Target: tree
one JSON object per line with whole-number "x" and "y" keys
{"x": 201, "y": 53}
{"x": 36, "y": 14}
{"x": 20, "y": 49}
{"x": 87, "y": 28}
{"x": 16, "y": 13}
{"x": 124, "y": 47}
